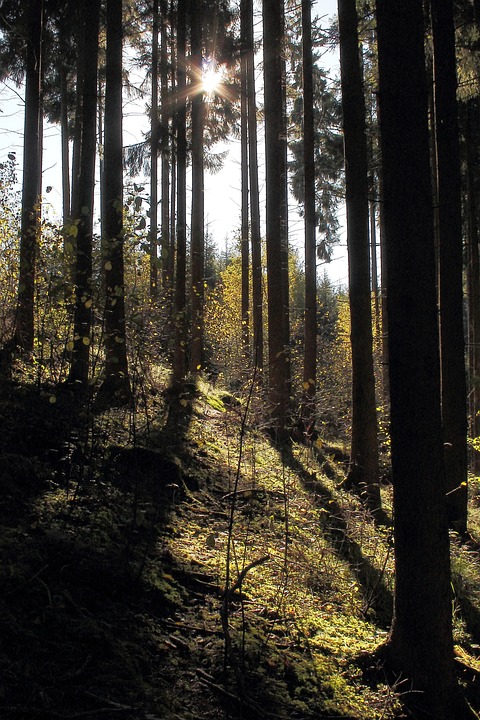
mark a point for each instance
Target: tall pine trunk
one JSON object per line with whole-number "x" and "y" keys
{"x": 420, "y": 644}
{"x": 115, "y": 389}
{"x": 83, "y": 194}
{"x": 364, "y": 472}
{"x": 32, "y": 172}
{"x": 275, "y": 177}
{"x": 154, "y": 143}
{"x": 257, "y": 270}
{"x": 245, "y": 255}
{"x": 179, "y": 360}
{"x": 310, "y": 326}
{"x": 197, "y": 242}
{"x": 454, "y": 385}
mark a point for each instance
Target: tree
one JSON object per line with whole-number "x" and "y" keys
{"x": 257, "y": 289}
{"x": 82, "y": 222}
{"x": 115, "y": 389}
{"x": 154, "y": 143}
{"x": 197, "y": 249}
{"x": 32, "y": 172}
{"x": 179, "y": 362}
{"x": 275, "y": 178}
{"x": 420, "y": 643}
{"x": 453, "y": 376}
{"x": 310, "y": 343}
{"x": 245, "y": 311}
{"x": 364, "y": 472}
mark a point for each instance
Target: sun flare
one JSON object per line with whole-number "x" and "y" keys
{"x": 211, "y": 79}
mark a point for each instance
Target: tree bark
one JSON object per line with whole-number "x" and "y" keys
{"x": 32, "y": 173}
{"x": 454, "y": 385}
{"x": 364, "y": 469}
{"x": 245, "y": 255}
{"x": 154, "y": 142}
{"x": 420, "y": 645}
{"x": 310, "y": 322}
{"x": 257, "y": 270}
{"x": 197, "y": 242}
{"x": 275, "y": 177}
{"x": 115, "y": 389}
{"x": 83, "y": 196}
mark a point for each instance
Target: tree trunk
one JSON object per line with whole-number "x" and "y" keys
{"x": 275, "y": 177}
{"x": 165, "y": 153}
{"x": 257, "y": 281}
{"x": 83, "y": 195}
{"x": 197, "y": 242}
{"x": 364, "y": 472}
{"x": 154, "y": 142}
{"x": 32, "y": 172}
{"x": 420, "y": 645}
{"x": 179, "y": 362}
{"x": 245, "y": 255}
{"x": 472, "y": 139}
{"x": 115, "y": 389}
{"x": 310, "y": 323}
{"x": 454, "y": 386}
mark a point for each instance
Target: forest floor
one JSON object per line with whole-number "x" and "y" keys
{"x": 172, "y": 564}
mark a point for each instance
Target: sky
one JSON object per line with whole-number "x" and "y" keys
{"x": 222, "y": 190}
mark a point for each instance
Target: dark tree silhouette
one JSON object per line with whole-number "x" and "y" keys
{"x": 420, "y": 644}
{"x": 363, "y": 473}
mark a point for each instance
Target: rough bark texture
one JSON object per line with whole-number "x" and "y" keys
{"x": 181, "y": 255}
{"x": 83, "y": 198}
{"x": 115, "y": 389}
{"x": 420, "y": 644}
{"x": 364, "y": 473}
{"x": 154, "y": 133}
{"x": 197, "y": 242}
{"x": 257, "y": 282}
{"x": 32, "y": 171}
{"x": 454, "y": 385}
{"x": 275, "y": 177}
{"x": 310, "y": 326}
{"x": 245, "y": 254}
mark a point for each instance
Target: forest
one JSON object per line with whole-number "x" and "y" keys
{"x": 228, "y": 487}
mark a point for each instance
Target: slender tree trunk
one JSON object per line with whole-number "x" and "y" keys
{"x": 179, "y": 361}
{"x": 78, "y": 126}
{"x": 165, "y": 152}
{"x": 115, "y": 390}
{"x": 310, "y": 326}
{"x": 197, "y": 243}
{"x": 420, "y": 645}
{"x": 454, "y": 385}
{"x": 245, "y": 255}
{"x": 364, "y": 472}
{"x": 154, "y": 142}
{"x": 472, "y": 140}
{"x": 83, "y": 196}
{"x": 257, "y": 271}
{"x": 275, "y": 176}
{"x": 32, "y": 171}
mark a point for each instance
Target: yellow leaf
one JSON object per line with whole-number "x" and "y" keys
{"x": 52, "y": 399}
{"x": 108, "y": 265}
{"x": 86, "y": 340}
{"x": 70, "y": 345}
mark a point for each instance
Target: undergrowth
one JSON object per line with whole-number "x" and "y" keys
{"x": 116, "y": 599}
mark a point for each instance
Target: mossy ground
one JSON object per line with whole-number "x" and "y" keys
{"x": 116, "y": 597}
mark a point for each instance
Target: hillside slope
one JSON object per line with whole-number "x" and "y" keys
{"x": 171, "y": 563}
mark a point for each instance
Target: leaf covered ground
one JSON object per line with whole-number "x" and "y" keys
{"x": 169, "y": 562}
